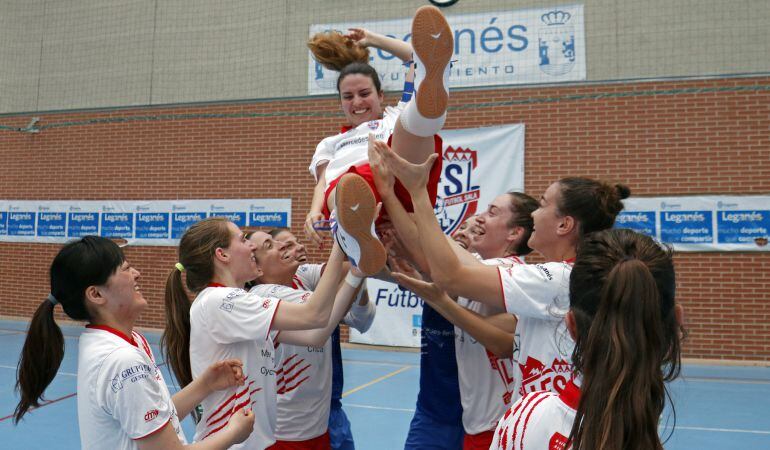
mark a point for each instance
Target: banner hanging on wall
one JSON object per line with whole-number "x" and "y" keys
{"x": 539, "y": 45}
{"x": 701, "y": 223}
{"x": 151, "y": 222}
{"x": 479, "y": 164}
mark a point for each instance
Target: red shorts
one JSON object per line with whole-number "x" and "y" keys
{"x": 365, "y": 171}
{"x": 318, "y": 443}
{"x": 480, "y": 441}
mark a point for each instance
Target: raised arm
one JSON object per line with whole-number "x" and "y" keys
{"x": 495, "y": 333}
{"x": 316, "y": 311}
{"x": 316, "y": 205}
{"x": 346, "y": 294}
{"x": 365, "y": 38}
{"x": 475, "y": 281}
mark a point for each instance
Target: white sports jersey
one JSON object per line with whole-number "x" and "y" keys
{"x": 304, "y": 379}
{"x": 121, "y": 392}
{"x": 539, "y": 420}
{"x": 349, "y": 149}
{"x": 229, "y": 323}
{"x": 359, "y": 317}
{"x": 538, "y": 294}
{"x": 486, "y": 381}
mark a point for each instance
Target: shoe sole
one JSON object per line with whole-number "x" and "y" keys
{"x": 435, "y": 53}
{"x": 356, "y": 207}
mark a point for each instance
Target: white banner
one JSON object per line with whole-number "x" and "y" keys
{"x": 479, "y": 164}
{"x": 540, "y": 45}
{"x": 151, "y": 222}
{"x": 701, "y": 223}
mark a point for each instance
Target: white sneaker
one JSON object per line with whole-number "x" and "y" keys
{"x": 355, "y": 206}
{"x": 433, "y": 46}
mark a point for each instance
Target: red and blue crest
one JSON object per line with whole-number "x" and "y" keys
{"x": 458, "y": 195}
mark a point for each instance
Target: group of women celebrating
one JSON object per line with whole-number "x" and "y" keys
{"x": 572, "y": 352}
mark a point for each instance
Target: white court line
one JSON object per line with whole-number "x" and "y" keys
{"x": 69, "y": 374}
{"x": 722, "y": 430}
{"x": 724, "y": 380}
{"x": 356, "y": 405}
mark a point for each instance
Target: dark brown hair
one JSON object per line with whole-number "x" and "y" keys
{"x": 336, "y": 52}
{"x": 627, "y": 342}
{"x": 196, "y": 254}
{"x": 594, "y": 204}
{"x": 522, "y": 206}
{"x": 89, "y": 261}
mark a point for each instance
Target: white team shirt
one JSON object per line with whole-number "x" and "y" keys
{"x": 359, "y": 317}
{"x": 486, "y": 381}
{"x": 121, "y": 392}
{"x": 540, "y": 420}
{"x": 538, "y": 294}
{"x": 304, "y": 379}
{"x": 349, "y": 149}
{"x": 228, "y": 323}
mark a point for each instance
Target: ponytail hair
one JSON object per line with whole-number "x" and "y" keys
{"x": 89, "y": 261}
{"x": 594, "y": 204}
{"x": 337, "y": 52}
{"x": 40, "y": 359}
{"x": 196, "y": 255}
{"x": 627, "y": 342}
{"x": 522, "y": 207}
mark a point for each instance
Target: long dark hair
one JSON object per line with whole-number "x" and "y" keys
{"x": 336, "y": 52}
{"x": 89, "y": 261}
{"x": 627, "y": 342}
{"x": 196, "y": 254}
{"x": 522, "y": 207}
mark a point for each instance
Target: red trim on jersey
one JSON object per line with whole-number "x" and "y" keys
{"x": 296, "y": 283}
{"x": 529, "y": 414}
{"x": 345, "y": 128}
{"x": 526, "y": 401}
{"x": 570, "y": 395}
{"x": 479, "y": 441}
{"x": 154, "y": 431}
{"x": 215, "y": 285}
{"x": 570, "y": 261}
{"x": 117, "y": 333}
{"x": 146, "y": 345}
{"x": 229, "y": 400}
{"x": 321, "y": 442}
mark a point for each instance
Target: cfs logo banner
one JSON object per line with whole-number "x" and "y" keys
{"x": 458, "y": 195}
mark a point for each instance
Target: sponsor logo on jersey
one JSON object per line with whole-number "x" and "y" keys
{"x": 536, "y": 376}
{"x": 132, "y": 375}
{"x": 266, "y": 303}
{"x": 458, "y": 195}
{"x": 151, "y": 414}
{"x": 558, "y": 442}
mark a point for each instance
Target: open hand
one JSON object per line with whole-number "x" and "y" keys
{"x": 414, "y": 177}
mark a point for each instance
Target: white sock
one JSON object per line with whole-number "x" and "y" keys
{"x": 416, "y": 124}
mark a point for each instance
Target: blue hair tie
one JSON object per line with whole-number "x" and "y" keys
{"x": 53, "y": 300}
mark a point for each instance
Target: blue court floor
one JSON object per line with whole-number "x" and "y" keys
{"x": 717, "y": 407}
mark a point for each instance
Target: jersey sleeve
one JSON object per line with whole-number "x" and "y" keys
{"x": 324, "y": 152}
{"x": 240, "y": 316}
{"x": 532, "y": 422}
{"x": 360, "y": 317}
{"x": 308, "y": 276}
{"x": 539, "y": 291}
{"x": 135, "y": 395}
{"x": 286, "y": 293}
